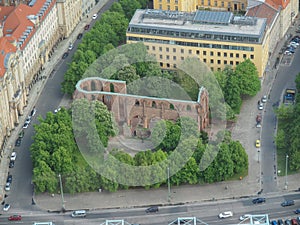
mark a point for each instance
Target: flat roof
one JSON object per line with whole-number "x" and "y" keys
{"x": 206, "y": 22}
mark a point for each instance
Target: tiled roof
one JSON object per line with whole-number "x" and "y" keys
{"x": 263, "y": 10}
{"x": 6, "y": 49}
{"x": 278, "y": 3}
{"x": 5, "y": 11}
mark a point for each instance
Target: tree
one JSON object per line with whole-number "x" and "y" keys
{"x": 232, "y": 93}
{"x": 248, "y": 78}
{"x": 129, "y": 7}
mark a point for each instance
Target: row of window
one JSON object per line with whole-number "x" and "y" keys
{"x": 194, "y": 35}
{"x": 205, "y": 53}
{"x": 192, "y": 44}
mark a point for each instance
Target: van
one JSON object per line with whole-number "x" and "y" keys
{"x": 79, "y": 213}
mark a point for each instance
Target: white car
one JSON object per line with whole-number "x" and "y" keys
{"x": 33, "y": 112}
{"x": 264, "y": 99}
{"x": 95, "y": 16}
{"x": 57, "y": 110}
{"x": 260, "y": 106}
{"x": 6, "y": 207}
{"x": 243, "y": 217}
{"x": 28, "y": 120}
{"x": 25, "y": 126}
{"x": 224, "y": 215}
{"x": 13, "y": 156}
{"x": 70, "y": 47}
{"x": 7, "y": 186}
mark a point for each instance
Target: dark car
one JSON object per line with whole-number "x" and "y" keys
{"x": 280, "y": 222}
{"x": 87, "y": 27}
{"x": 15, "y": 218}
{"x": 18, "y": 142}
{"x": 288, "y": 222}
{"x": 79, "y": 36}
{"x": 9, "y": 178}
{"x": 298, "y": 219}
{"x": 152, "y": 209}
{"x": 11, "y": 164}
{"x": 258, "y": 200}
{"x": 21, "y": 134}
{"x": 297, "y": 211}
{"x": 288, "y": 203}
{"x": 65, "y": 55}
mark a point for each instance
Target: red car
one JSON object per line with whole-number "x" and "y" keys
{"x": 87, "y": 27}
{"x": 15, "y": 218}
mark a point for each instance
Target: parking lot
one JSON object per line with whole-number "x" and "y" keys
{"x": 289, "y": 50}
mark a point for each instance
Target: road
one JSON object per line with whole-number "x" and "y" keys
{"x": 20, "y": 195}
{"x": 285, "y": 78}
{"x": 207, "y": 212}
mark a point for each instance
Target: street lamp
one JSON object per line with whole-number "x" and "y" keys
{"x": 169, "y": 186}
{"x": 62, "y": 194}
{"x": 286, "y": 168}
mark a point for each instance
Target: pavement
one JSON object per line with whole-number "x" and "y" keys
{"x": 249, "y": 186}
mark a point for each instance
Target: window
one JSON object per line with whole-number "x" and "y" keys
{"x": 244, "y": 56}
{"x": 237, "y": 55}
{"x": 219, "y": 61}
{"x": 175, "y": 66}
{"x": 167, "y": 49}
{"x": 160, "y": 56}
{"x": 197, "y": 52}
{"x": 211, "y": 68}
{"x": 204, "y": 52}
{"x": 190, "y": 51}
{"x": 211, "y": 53}
{"x": 168, "y": 65}
{"x": 176, "y": 9}
{"x": 188, "y": 108}
{"x": 174, "y": 49}
{"x": 231, "y": 62}
{"x": 147, "y": 47}
{"x": 231, "y": 55}
{"x": 243, "y": 6}
{"x": 182, "y": 51}
{"x": 168, "y": 6}
{"x": 161, "y": 64}
{"x": 222, "y": 4}
{"x": 204, "y": 60}
{"x": 225, "y": 54}
{"x": 219, "y": 53}
{"x": 168, "y": 57}
{"x": 168, "y": 1}
{"x": 251, "y": 56}
{"x": 208, "y": 2}
{"x": 202, "y": 2}
{"x": 160, "y": 6}
{"x": 174, "y": 57}
{"x": 182, "y": 58}
{"x": 153, "y": 48}
{"x": 211, "y": 61}
{"x": 216, "y": 3}
{"x": 160, "y": 49}
{"x": 237, "y": 63}
{"x": 225, "y": 62}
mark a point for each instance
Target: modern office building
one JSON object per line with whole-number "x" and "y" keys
{"x": 219, "y": 39}
{"x": 193, "y": 5}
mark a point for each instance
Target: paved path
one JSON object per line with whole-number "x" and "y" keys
{"x": 247, "y": 187}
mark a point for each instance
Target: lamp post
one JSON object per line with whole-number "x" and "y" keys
{"x": 62, "y": 194}
{"x": 169, "y": 186}
{"x": 286, "y": 168}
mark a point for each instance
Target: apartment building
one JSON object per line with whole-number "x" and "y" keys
{"x": 69, "y": 13}
{"x": 218, "y": 39}
{"x": 86, "y": 7}
{"x": 193, "y": 5}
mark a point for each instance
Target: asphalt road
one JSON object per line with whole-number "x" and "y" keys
{"x": 207, "y": 213}
{"x": 285, "y": 79}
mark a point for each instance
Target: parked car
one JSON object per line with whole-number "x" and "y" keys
{"x": 33, "y": 112}
{"x": 9, "y": 178}
{"x": 11, "y": 164}
{"x": 274, "y": 222}
{"x": 6, "y": 207}
{"x": 288, "y": 222}
{"x": 287, "y": 52}
{"x": 288, "y": 203}
{"x": 257, "y": 143}
{"x": 264, "y": 99}
{"x": 21, "y": 134}
{"x": 70, "y": 46}
{"x": 18, "y": 142}
{"x": 260, "y": 106}
{"x": 280, "y": 222}
{"x": 28, "y": 120}
{"x": 7, "y": 186}
{"x": 13, "y": 156}
{"x": 297, "y": 211}
{"x": 95, "y": 16}
{"x": 298, "y": 219}
{"x": 15, "y": 218}
{"x": 86, "y": 27}
{"x": 65, "y": 55}
{"x": 25, "y": 126}
{"x": 258, "y": 200}
{"x": 224, "y": 215}
{"x": 57, "y": 110}
{"x": 79, "y": 36}
{"x": 294, "y": 222}
{"x": 152, "y": 209}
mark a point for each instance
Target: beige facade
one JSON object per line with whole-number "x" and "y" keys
{"x": 12, "y": 94}
{"x": 69, "y": 13}
{"x": 193, "y": 5}
{"x": 87, "y": 6}
{"x": 171, "y": 40}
